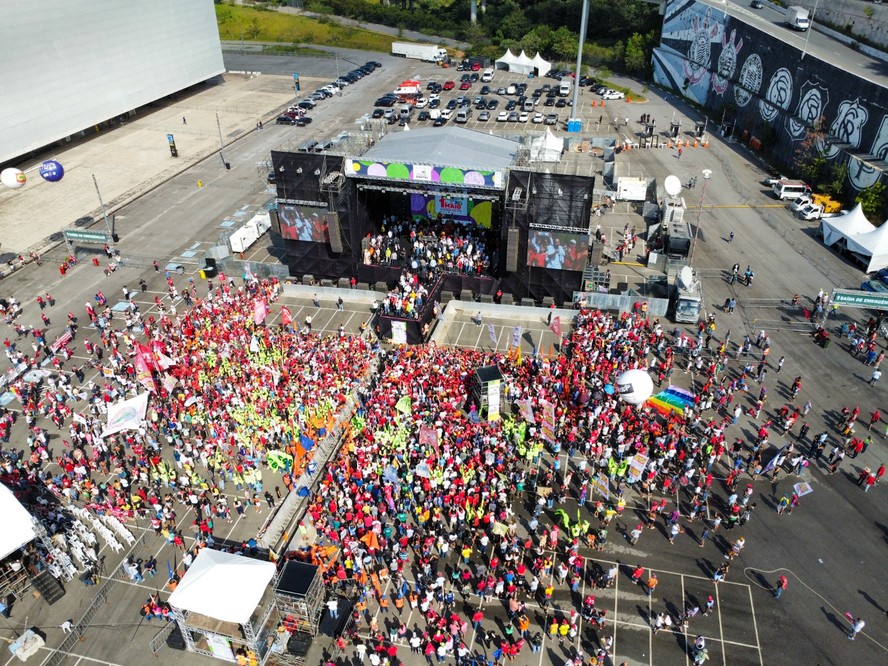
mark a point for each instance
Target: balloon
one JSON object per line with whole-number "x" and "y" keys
{"x": 635, "y": 386}
{"x": 13, "y": 178}
{"x": 52, "y": 171}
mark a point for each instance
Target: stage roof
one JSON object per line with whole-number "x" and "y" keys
{"x": 18, "y": 528}
{"x": 445, "y": 146}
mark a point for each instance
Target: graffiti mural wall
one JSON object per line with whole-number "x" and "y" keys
{"x": 765, "y": 89}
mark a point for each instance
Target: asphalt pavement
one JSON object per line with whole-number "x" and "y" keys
{"x": 832, "y": 547}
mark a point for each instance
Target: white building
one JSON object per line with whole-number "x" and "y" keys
{"x": 69, "y": 65}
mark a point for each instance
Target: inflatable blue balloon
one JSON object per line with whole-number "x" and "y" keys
{"x": 609, "y": 389}
{"x": 52, "y": 171}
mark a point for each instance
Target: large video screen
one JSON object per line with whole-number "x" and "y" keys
{"x": 304, "y": 223}
{"x": 557, "y": 251}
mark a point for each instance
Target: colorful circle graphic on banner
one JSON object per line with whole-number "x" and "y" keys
{"x": 635, "y": 386}
{"x": 13, "y": 178}
{"x": 52, "y": 171}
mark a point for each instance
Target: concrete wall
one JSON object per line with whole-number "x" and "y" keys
{"x": 757, "y": 80}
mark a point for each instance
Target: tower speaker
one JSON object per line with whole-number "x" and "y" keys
{"x": 335, "y": 234}
{"x": 512, "y": 250}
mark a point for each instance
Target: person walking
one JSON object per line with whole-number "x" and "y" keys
{"x": 856, "y": 627}
{"x": 781, "y": 585}
{"x": 876, "y": 376}
{"x": 651, "y": 585}
{"x": 67, "y": 626}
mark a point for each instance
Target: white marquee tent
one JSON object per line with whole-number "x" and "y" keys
{"x": 546, "y": 147}
{"x": 223, "y": 586}
{"x": 18, "y": 526}
{"x": 522, "y": 64}
{"x": 855, "y": 233}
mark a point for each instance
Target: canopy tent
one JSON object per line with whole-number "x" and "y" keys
{"x": 541, "y": 64}
{"x": 874, "y": 245}
{"x": 546, "y": 147}
{"x": 18, "y": 526}
{"x": 223, "y": 586}
{"x": 854, "y": 232}
{"x": 851, "y": 223}
{"x": 522, "y": 64}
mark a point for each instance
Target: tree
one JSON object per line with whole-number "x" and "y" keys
{"x": 253, "y": 29}
{"x": 872, "y": 199}
{"x": 810, "y": 160}
{"x": 565, "y": 43}
{"x": 635, "y": 57}
{"x": 834, "y": 184}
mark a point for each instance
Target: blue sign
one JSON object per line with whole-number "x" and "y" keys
{"x": 170, "y": 138}
{"x": 52, "y": 171}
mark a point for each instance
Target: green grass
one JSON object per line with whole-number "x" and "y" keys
{"x": 256, "y": 25}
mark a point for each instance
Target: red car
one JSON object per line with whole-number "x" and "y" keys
{"x": 476, "y": 66}
{"x": 465, "y": 85}
{"x": 448, "y": 85}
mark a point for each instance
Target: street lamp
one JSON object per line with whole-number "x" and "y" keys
{"x": 810, "y": 28}
{"x": 707, "y": 174}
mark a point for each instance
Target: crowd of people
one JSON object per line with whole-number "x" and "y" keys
{"x": 419, "y": 506}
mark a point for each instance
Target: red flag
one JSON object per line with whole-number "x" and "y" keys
{"x": 286, "y": 317}
{"x": 143, "y": 373}
{"x": 147, "y": 355}
{"x": 556, "y": 326}
{"x": 260, "y": 311}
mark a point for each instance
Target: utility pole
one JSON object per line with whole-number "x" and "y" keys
{"x": 102, "y": 207}
{"x": 221, "y": 143}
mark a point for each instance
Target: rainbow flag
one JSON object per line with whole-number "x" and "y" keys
{"x": 673, "y": 399}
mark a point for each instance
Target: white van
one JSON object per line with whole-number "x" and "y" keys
{"x": 487, "y": 76}
{"x": 790, "y": 189}
{"x": 463, "y": 115}
{"x": 564, "y": 88}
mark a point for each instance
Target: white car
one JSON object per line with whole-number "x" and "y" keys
{"x": 421, "y": 103}
{"x": 538, "y": 118}
{"x": 612, "y": 94}
{"x": 523, "y": 117}
{"x": 434, "y": 96}
{"x": 502, "y": 117}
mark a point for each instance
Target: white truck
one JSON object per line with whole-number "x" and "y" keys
{"x": 424, "y": 52}
{"x": 798, "y": 18}
{"x": 686, "y": 297}
{"x": 813, "y": 211}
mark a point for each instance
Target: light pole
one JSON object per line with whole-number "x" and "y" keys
{"x": 810, "y": 28}
{"x": 221, "y": 143}
{"x": 102, "y": 207}
{"x": 575, "y": 107}
{"x": 707, "y": 174}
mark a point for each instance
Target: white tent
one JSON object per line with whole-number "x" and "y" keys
{"x": 18, "y": 526}
{"x": 506, "y": 61}
{"x": 851, "y": 223}
{"x": 223, "y": 586}
{"x": 541, "y": 65}
{"x": 520, "y": 64}
{"x": 873, "y": 245}
{"x": 546, "y": 148}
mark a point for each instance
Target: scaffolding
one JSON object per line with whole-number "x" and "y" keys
{"x": 299, "y": 597}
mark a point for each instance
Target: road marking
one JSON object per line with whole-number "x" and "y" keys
{"x": 721, "y": 632}
{"x": 755, "y": 626}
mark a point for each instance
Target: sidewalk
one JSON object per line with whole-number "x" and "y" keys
{"x": 134, "y": 158}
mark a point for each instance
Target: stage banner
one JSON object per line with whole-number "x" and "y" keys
{"x": 493, "y": 400}
{"x": 425, "y": 173}
{"x": 456, "y": 208}
{"x": 547, "y": 420}
{"x": 399, "y": 332}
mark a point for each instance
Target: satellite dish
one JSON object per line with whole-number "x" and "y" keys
{"x": 673, "y": 186}
{"x": 686, "y": 277}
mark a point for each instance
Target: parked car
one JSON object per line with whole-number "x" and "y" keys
{"x": 485, "y": 90}
{"x": 538, "y": 118}
{"x": 434, "y": 103}
{"x": 439, "y": 121}
{"x": 502, "y": 117}
{"x": 552, "y": 119}
{"x": 598, "y": 89}
{"x": 307, "y": 104}
{"x": 549, "y": 102}
{"x": 290, "y": 120}
{"x": 492, "y": 104}
{"x": 465, "y": 85}
{"x": 431, "y": 85}
{"x": 612, "y": 94}
{"x": 513, "y": 116}
{"x": 484, "y": 116}
{"x": 423, "y": 115}
{"x": 560, "y": 103}
{"x": 448, "y": 85}
{"x": 434, "y": 96}
{"x": 421, "y": 103}
{"x": 523, "y": 117}
{"x": 756, "y": 4}
{"x": 511, "y": 104}
{"x": 452, "y": 104}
